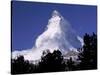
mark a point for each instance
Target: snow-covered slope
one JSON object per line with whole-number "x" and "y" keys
{"x": 58, "y": 35}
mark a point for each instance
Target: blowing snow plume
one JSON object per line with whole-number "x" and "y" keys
{"x": 58, "y": 35}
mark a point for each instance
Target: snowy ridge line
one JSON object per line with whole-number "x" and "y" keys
{"x": 59, "y": 35}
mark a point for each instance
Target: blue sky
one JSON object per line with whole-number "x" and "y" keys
{"x": 29, "y": 19}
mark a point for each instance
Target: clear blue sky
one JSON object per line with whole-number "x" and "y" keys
{"x": 29, "y": 19}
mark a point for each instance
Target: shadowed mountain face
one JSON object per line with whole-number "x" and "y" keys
{"x": 58, "y": 35}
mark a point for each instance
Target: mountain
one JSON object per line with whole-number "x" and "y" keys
{"x": 58, "y": 35}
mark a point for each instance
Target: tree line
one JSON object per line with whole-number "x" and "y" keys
{"x": 54, "y": 62}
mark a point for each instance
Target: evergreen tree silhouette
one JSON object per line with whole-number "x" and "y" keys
{"x": 70, "y": 65}
{"x": 20, "y": 66}
{"x": 52, "y": 62}
{"x": 88, "y": 56}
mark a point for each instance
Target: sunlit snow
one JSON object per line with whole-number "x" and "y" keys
{"x": 58, "y": 35}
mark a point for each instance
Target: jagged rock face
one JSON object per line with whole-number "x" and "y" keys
{"x": 58, "y": 35}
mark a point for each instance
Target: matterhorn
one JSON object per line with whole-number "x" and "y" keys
{"x": 59, "y": 35}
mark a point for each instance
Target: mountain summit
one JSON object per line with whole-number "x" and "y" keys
{"x": 58, "y": 35}
{"x": 55, "y": 13}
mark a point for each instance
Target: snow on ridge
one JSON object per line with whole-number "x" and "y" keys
{"x": 58, "y": 35}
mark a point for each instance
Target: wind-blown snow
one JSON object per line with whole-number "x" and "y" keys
{"x": 58, "y": 35}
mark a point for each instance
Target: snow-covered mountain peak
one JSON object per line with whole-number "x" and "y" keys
{"x": 58, "y": 35}
{"x": 55, "y": 13}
